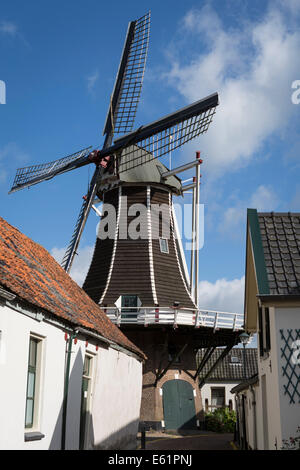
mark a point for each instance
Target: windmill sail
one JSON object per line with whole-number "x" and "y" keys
{"x": 30, "y": 175}
{"x": 127, "y": 90}
{"x": 164, "y": 135}
{"x": 81, "y": 220}
{"x": 121, "y": 112}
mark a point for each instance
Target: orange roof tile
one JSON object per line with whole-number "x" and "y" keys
{"x": 30, "y": 272}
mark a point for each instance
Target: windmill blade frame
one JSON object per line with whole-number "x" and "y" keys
{"x": 128, "y": 85}
{"x": 164, "y": 135}
{"x": 80, "y": 224}
{"x": 169, "y": 133}
{"x": 120, "y": 115}
{"x": 35, "y": 174}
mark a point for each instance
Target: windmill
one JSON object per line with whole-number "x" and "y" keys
{"x": 143, "y": 282}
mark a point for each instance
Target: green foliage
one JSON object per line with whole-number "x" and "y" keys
{"x": 220, "y": 420}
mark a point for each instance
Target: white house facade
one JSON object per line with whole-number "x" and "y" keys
{"x": 69, "y": 378}
{"x": 230, "y": 371}
{"x": 270, "y": 404}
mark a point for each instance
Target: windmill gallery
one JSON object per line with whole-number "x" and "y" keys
{"x": 138, "y": 274}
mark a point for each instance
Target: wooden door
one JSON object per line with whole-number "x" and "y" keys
{"x": 179, "y": 405}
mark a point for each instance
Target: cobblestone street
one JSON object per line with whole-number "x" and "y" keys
{"x": 204, "y": 440}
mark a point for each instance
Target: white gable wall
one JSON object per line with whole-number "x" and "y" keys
{"x": 288, "y": 318}
{"x": 115, "y": 397}
{"x": 206, "y": 392}
{"x": 16, "y": 329}
{"x": 269, "y": 430}
{"x": 117, "y": 400}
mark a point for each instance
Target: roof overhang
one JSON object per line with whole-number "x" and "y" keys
{"x": 246, "y": 384}
{"x": 256, "y": 279}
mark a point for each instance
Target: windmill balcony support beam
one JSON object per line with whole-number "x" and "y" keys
{"x": 219, "y": 359}
{"x": 180, "y": 169}
{"x": 205, "y": 358}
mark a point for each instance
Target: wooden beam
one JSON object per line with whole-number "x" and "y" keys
{"x": 204, "y": 360}
{"x": 220, "y": 358}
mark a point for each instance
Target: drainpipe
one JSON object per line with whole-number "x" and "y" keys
{"x": 254, "y": 418}
{"x": 196, "y": 253}
{"x": 66, "y": 389}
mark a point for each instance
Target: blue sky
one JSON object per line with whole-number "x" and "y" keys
{"x": 59, "y": 61}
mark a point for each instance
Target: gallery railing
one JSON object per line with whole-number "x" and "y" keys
{"x": 175, "y": 316}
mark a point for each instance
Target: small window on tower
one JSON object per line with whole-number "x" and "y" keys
{"x": 129, "y": 303}
{"x": 163, "y": 243}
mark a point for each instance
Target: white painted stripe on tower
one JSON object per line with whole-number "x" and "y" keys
{"x": 114, "y": 247}
{"x": 172, "y": 215}
{"x": 187, "y": 275}
{"x": 150, "y": 245}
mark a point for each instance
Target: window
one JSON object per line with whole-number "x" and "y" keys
{"x": 173, "y": 352}
{"x": 129, "y": 303}
{"x": 217, "y": 398}
{"x": 164, "y": 247}
{"x": 235, "y": 360}
{"x": 206, "y": 405}
{"x": 260, "y": 332}
{"x": 264, "y": 330}
{"x": 267, "y": 329}
{"x": 85, "y": 399}
{"x": 32, "y": 382}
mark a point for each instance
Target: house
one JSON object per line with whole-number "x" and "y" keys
{"x": 270, "y": 411}
{"x": 70, "y": 379}
{"x": 230, "y": 371}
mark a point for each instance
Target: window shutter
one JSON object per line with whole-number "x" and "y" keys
{"x": 260, "y": 333}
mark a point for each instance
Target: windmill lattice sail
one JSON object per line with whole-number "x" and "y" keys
{"x": 165, "y": 135}
{"x": 165, "y": 141}
{"x": 128, "y": 86}
{"x": 30, "y": 175}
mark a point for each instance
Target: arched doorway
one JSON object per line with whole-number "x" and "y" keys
{"x": 179, "y": 405}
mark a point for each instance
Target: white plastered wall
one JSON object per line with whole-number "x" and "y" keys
{"x": 116, "y": 388}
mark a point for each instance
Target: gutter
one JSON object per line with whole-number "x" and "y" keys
{"x": 111, "y": 343}
{"x": 73, "y": 335}
{"x": 6, "y": 294}
{"x": 274, "y": 297}
{"x": 254, "y": 418}
{"x": 30, "y": 310}
{"x": 243, "y": 385}
{"x": 66, "y": 390}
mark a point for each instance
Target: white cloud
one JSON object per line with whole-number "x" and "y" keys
{"x": 10, "y": 154}
{"x": 264, "y": 199}
{"x": 81, "y": 262}
{"x": 224, "y": 295}
{"x": 13, "y": 151}
{"x": 8, "y": 28}
{"x": 91, "y": 81}
{"x": 251, "y": 68}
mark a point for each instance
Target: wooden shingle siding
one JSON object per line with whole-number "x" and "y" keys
{"x": 168, "y": 280}
{"x": 131, "y": 270}
{"x": 134, "y": 259}
{"x": 96, "y": 279}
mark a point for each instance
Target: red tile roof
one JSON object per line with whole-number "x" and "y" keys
{"x": 30, "y": 272}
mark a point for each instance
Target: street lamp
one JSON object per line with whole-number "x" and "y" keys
{"x": 244, "y": 337}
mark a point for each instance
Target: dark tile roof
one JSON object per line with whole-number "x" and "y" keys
{"x": 227, "y": 369}
{"x": 280, "y": 236}
{"x": 30, "y": 272}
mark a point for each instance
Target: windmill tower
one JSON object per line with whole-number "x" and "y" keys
{"x": 137, "y": 274}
